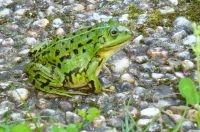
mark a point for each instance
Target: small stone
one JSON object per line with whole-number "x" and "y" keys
{"x": 57, "y": 23}
{"x": 6, "y": 106}
{"x": 174, "y": 2}
{"x": 5, "y": 2}
{"x": 17, "y": 117}
{"x": 178, "y": 36}
{"x": 99, "y": 122}
{"x": 19, "y": 94}
{"x": 123, "y": 18}
{"x": 48, "y": 113}
{"x": 183, "y": 55}
{"x": 78, "y": 7}
{"x": 51, "y": 10}
{"x": 30, "y": 40}
{"x": 41, "y": 23}
{"x": 144, "y": 122}
{"x": 140, "y": 91}
{"x": 157, "y": 53}
{"x": 5, "y": 85}
{"x": 20, "y": 12}
{"x": 174, "y": 63}
{"x": 179, "y": 74}
{"x": 120, "y": 65}
{"x": 187, "y": 65}
{"x": 5, "y": 12}
{"x": 7, "y": 42}
{"x": 42, "y": 103}
{"x": 127, "y": 77}
{"x": 24, "y": 52}
{"x": 60, "y": 32}
{"x": 189, "y": 40}
{"x": 65, "y": 105}
{"x": 183, "y": 23}
{"x": 167, "y": 10}
{"x": 157, "y": 75}
{"x": 138, "y": 39}
{"x": 115, "y": 122}
{"x": 150, "y": 112}
{"x": 90, "y": 7}
{"x": 17, "y": 59}
{"x": 187, "y": 126}
{"x": 72, "y": 117}
{"x": 141, "y": 59}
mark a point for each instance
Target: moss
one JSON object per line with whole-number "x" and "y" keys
{"x": 133, "y": 12}
{"x": 193, "y": 11}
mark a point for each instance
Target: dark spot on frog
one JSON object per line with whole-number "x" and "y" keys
{"x": 83, "y": 50}
{"x": 88, "y": 36}
{"x": 68, "y": 75}
{"x": 91, "y": 83}
{"x": 89, "y": 41}
{"x": 100, "y": 62}
{"x": 45, "y": 52}
{"x": 52, "y": 70}
{"x": 33, "y": 82}
{"x": 75, "y": 51}
{"x": 72, "y": 41}
{"x": 80, "y": 45}
{"x": 59, "y": 65}
{"x": 45, "y": 84}
{"x": 57, "y": 52}
{"x": 75, "y": 70}
{"x": 37, "y": 76}
{"x": 74, "y": 33}
{"x": 66, "y": 49}
{"x": 63, "y": 42}
{"x": 89, "y": 28}
{"x": 68, "y": 57}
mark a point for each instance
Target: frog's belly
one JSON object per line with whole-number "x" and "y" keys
{"x": 76, "y": 80}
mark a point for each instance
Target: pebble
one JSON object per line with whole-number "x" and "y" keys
{"x": 138, "y": 39}
{"x": 24, "y": 52}
{"x": 174, "y": 63}
{"x": 99, "y": 122}
{"x": 5, "y": 85}
{"x": 20, "y": 12}
{"x": 19, "y": 94}
{"x": 166, "y": 10}
{"x": 6, "y": 106}
{"x": 114, "y": 122}
{"x": 57, "y": 23}
{"x": 141, "y": 59}
{"x": 187, "y": 65}
{"x": 178, "y": 36}
{"x": 144, "y": 122}
{"x": 157, "y": 75}
{"x": 78, "y": 7}
{"x": 17, "y": 60}
{"x": 42, "y": 103}
{"x": 7, "y": 42}
{"x": 189, "y": 40}
{"x": 179, "y": 74}
{"x": 65, "y": 105}
{"x": 90, "y": 7}
{"x": 17, "y": 117}
{"x": 174, "y": 2}
{"x": 120, "y": 65}
{"x": 30, "y": 40}
{"x": 150, "y": 112}
{"x": 5, "y": 2}
{"x": 183, "y": 55}
{"x": 60, "y": 32}
{"x": 127, "y": 77}
{"x": 48, "y": 113}
{"x": 183, "y": 23}
{"x": 123, "y": 18}
{"x": 5, "y": 13}
{"x": 157, "y": 52}
{"x": 41, "y": 23}
{"x": 72, "y": 117}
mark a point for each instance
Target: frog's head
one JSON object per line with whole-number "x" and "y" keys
{"x": 112, "y": 38}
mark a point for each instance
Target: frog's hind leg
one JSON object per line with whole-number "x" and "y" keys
{"x": 48, "y": 79}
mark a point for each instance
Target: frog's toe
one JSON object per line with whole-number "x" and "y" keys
{"x": 108, "y": 89}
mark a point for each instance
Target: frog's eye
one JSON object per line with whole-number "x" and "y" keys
{"x": 114, "y": 32}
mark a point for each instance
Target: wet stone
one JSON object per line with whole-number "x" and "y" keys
{"x": 150, "y": 112}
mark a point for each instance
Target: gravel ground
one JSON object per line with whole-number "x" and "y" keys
{"x": 144, "y": 74}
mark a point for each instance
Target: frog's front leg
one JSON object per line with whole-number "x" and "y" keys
{"x": 48, "y": 79}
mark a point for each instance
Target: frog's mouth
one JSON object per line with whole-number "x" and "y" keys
{"x": 110, "y": 50}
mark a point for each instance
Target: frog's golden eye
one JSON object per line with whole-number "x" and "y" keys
{"x": 114, "y": 32}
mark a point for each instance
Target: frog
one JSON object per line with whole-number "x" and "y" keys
{"x": 70, "y": 65}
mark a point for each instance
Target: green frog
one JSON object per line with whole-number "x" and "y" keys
{"x": 71, "y": 64}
